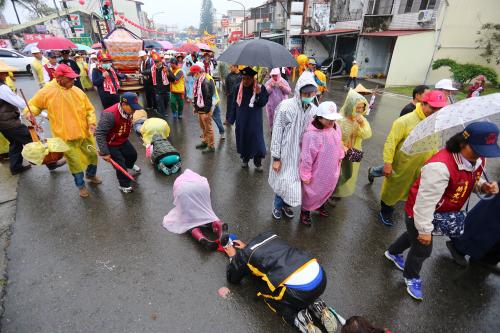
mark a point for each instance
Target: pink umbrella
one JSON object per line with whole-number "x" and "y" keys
{"x": 188, "y": 48}
{"x": 97, "y": 46}
{"x": 204, "y": 47}
{"x": 56, "y": 43}
{"x": 166, "y": 45}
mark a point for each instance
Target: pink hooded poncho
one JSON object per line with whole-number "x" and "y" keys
{"x": 320, "y": 157}
{"x": 193, "y": 206}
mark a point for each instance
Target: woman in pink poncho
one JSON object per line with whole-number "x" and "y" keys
{"x": 193, "y": 210}
{"x": 278, "y": 90}
{"x": 321, "y": 153}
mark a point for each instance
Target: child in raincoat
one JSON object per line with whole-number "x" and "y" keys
{"x": 193, "y": 210}
{"x": 321, "y": 154}
{"x": 278, "y": 90}
{"x": 355, "y": 129}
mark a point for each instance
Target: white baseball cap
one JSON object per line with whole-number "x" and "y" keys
{"x": 445, "y": 84}
{"x": 142, "y": 53}
{"x": 328, "y": 110}
{"x": 35, "y": 50}
{"x": 354, "y": 61}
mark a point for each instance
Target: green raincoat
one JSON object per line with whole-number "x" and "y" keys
{"x": 406, "y": 168}
{"x": 353, "y": 135}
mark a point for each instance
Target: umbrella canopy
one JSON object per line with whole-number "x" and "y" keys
{"x": 432, "y": 132}
{"x": 56, "y": 43}
{"x": 188, "y": 48}
{"x": 96, "y": 46}
{"x": 27, "y": 48}
{"x": 258, "y": 52}
{"x": 82, "y": 47}
{"x": 152, "y": 44}
{"x": 166, "y": 45}
{"x": 204, "y": 47}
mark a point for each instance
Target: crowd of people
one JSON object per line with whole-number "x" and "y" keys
{"x": 316, "y": 150}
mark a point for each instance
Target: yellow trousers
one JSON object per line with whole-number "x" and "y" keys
{"x": 80, "y": 155}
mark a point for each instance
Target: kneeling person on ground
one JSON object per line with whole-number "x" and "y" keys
{"x": 112, "y": 135}
{"x": 294, "y": 279}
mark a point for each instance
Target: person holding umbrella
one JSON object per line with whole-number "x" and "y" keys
{"x": 251, "y": 97}
{"x": 65, "y": 54}
{"x": 436, "y": 198}
{"x": 72, "y": 119}
{"x": 106, "y": 80}
{"x": 112, "y": 135}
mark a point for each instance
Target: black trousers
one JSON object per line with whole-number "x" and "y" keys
{"x": 351, "y": 79}
{"x": 162, "y": 102}
{"x": 294, "y": 301}
{"x": 125, "y": 155}
{"x": 150, "y": 94}
{"x": 108, "y": 99}
{"x": 418, "y": 252}
{"x": 493, "y": 255}
{"x": 17, "y": 136}
{"x": 257, "y": 161}
{"x": 386, "y": 209}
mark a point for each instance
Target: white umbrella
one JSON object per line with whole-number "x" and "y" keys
{"x": 432, "y": 132}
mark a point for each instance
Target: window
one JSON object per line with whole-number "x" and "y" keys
{"x": 405, "y": 8}
{"x": 427, "y": 4}
{"x": 7, "y": 54}
{"x": 380, "y": 7}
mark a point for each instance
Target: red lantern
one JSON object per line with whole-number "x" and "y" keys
{"x": 82, "y": 2}
{"x": 107, "y": 3}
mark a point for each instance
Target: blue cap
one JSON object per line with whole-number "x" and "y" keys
{"x": 482, "y": 137}
{"x": 131, "y": 99}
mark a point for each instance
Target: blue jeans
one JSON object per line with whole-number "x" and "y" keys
{"x": 278, "y": 202}
{"x": 91, "y": 172}
{"x": 377, "y": 171}
{"x": 218, "y": 121}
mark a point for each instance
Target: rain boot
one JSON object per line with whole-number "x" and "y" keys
{"x": 208, "y": 244}
{"x": 219, "y": 228}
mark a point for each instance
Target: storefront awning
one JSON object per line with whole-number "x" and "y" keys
{"x": 330, "y": 32}
{"x": 272, "y": 36}
{"x": 393, "y": 33}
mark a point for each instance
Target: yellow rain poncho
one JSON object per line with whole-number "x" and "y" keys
{"x": 4, "y": 144}
{"x": 70, "y": 114}
{"x": 37, "y": 67}
{"x": 154, "y": 126}
{"x": 406, "y": 168}
{"x": 322, "y": 77}
{"x": 353, "y": 135}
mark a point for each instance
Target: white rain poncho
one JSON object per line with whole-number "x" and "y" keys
{"x": 193, "y": 206}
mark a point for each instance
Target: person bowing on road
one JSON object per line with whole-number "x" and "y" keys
{"x": 112, "y": 137}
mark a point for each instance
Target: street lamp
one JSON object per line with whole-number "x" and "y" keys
{"x": 244, "y": 15}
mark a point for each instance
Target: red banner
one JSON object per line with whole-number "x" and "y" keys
{"x": 34, "y": 38}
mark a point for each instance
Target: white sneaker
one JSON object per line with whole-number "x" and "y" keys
{"x": 304, "y": 323}
{"x": 126, "y": 189}
{"x": 136, "y": 170}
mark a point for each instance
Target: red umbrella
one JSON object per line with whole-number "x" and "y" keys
{"x": 122, "y": 170}
{"x": 56, "y": 43}
{"x": 188, "y": 48}
{"x": 204, "y": 47}
{"x": 96, "y": 46}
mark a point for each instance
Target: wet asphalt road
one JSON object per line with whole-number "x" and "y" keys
{"x": 105, "y": 264}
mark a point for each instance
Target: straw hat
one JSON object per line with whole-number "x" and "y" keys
{"x": 360, "y": 89}
{"x": 4, "y": 68}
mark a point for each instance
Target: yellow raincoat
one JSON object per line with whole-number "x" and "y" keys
{"x": 353, "y": 135}
{"x": 4, "y": 144}
{"x": 70, "y": 115}
{"x": 37, "y": 67}
{"x": 406, "y": 168}
{"x": 322, "y": 77}
{"x": 154, "y": 126}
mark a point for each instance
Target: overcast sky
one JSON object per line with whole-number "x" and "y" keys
{"x": 182, "y": 13}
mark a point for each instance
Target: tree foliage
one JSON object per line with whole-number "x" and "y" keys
{"x": 489, "y": 39}
{"x": 206, "y": 17}
{"x": 463, "y": 73}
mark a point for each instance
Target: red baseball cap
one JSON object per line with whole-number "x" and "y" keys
{"x": 66, "y": 71}
{"x": 435, "y": 98}
{"x": 195, "y": 69}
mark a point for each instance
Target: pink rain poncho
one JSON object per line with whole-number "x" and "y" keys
{"x": 193, "y": 206}
{"x": 320, "y": 157}
{"x": 278, "y": 91}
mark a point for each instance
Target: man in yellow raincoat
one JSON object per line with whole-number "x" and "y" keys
{"x": 72, "y": 119}
{"x": 401, "y": 170}
{"x": 37, "y": 66}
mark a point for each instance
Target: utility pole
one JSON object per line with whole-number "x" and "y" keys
{"x": 65, "y": 6}
{"x": 58, "y": 17}
{"x": 15, "y": 10}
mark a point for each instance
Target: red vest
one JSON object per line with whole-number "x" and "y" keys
{"x": 120, "y": 132}
{"x": 50, "y": 71}
{"x": 459, "y": 188}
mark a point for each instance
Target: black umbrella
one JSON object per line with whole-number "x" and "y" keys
{"x": 152, "y": 44}
{"x": 258, "y": 52}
